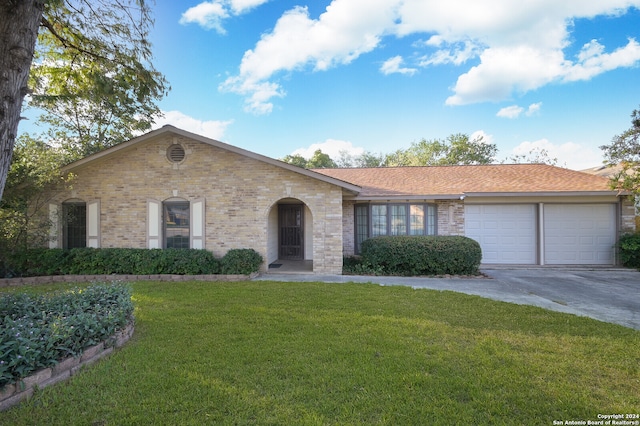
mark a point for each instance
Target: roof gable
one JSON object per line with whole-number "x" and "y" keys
{"x": 452, "y": 181}
{"x": 168, "y": 129}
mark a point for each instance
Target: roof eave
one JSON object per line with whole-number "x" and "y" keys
{"x": 462, "y": 196}
{"x": 410, "y": 197}
{"x": 544, "y": 194}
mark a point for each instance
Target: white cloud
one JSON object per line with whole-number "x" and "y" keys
{"x": 208, "y": 15}
{"x": 512, "y": 111}
{"x": 211, "y": 14}
{"x": 243, "y": 6}
{"x": 570, "y": 154}
{"x": 515, "y": 111}
{"x": 534, "y": 109}
{"x": 333, "y": 147}
{"x": 346, "y": 30}
{"x": 592, "y": 60}
{"x": 456, "y": 53}
{"x": 516, "y": 46}
{"x": 213, "y": 129}
{"x": 486, "y": 138}
{"x": 392, "y": 66}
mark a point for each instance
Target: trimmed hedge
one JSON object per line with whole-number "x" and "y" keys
{"x": 125, "y": 261}
{"x": 629, "y": 248}
{"x": 36, "y": 331}
{"x": 240, "y": 261}
{"x": 422, "y": 255}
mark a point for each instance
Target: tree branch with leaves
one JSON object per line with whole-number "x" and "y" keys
{"x": 91, "y": 72}
{"x": 624, "y": 151}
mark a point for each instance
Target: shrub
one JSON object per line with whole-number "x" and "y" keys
{"x": 106, "y": 261}
{"x": 423, "y": 255}
{"x": 354, "y": 265}
{"x": 241, "y": 261}
{"x": 629, "y": 248}
{"x": 36, "y": 331}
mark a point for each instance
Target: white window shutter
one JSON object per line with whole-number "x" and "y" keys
{"x": 93, "y": 224}
{"x": 154, "y": 224}
{"x": 197, "y": 223}
{"x": 54, "y": 230}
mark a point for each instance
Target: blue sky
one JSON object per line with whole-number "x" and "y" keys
{"x": 279, "y": 77}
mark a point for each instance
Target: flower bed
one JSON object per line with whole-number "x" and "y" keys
{"x": 14, "y": 393}
{"x": 38, "y": 333}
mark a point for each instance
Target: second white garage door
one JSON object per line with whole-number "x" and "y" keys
{"x": 577, "y": 234}
{"x": 506, "y": 233}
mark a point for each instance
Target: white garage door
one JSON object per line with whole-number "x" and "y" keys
{"x": 579, "y": 234}
{"x": 506, "y": 233}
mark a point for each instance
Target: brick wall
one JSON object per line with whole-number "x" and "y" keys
{"x": 239, "y": 194}
{"x": 348, "y": 228}
{"x": 450, "y": 217}
{"x": 628, "y": 220}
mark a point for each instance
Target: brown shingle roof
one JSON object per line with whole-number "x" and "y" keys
{"x": 452, "y": 180}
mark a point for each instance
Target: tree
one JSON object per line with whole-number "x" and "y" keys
{"x": 624, "y": 150}
{"x": 296, "y": 160}
{"x": 19, "y": 21}
{"x": 367, "y": 159}
{"x": 457, "y": 149}
{"x": 535, "y": 156}
{"x": 91, "y": 73}
{"x": 319, "y": 160}
{"x": 35, "y": 166}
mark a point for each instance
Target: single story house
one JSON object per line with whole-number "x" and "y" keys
{"x": 173, "y": 188}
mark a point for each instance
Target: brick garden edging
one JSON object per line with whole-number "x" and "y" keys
{"x": 10, "y": 282}
{"x": 14, "y": 393}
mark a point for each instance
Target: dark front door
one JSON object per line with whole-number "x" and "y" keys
{"x": 291, "y": 232}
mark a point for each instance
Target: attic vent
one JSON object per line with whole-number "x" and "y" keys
{"x": 175, "y": 153}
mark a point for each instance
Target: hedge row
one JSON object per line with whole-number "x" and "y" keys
{"x": 421, "y": 255}
{"x": 36, "y": 331}
{"x": 106, "y": 261}
{"x": 629, "y": 248}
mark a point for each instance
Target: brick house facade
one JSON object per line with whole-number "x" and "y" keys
{"x": 171, "y": 187}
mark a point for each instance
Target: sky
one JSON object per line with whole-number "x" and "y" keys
{"x": 281, "y": 77}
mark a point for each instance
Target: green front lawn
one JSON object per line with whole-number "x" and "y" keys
{"x": 315, "y": 354}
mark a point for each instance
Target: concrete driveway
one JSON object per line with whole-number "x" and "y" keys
{"x": 606, "y": 294}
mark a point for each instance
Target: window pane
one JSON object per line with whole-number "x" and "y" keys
{"x": 378, "y": 220}
{"x": 176, "y": 224}
{"x": 399, "y": 220}
{"x": 431, "y": 220}
{"x": 417, "y": 219}
{"x": 362, "y": 225}
{"x": 74, "y": 228}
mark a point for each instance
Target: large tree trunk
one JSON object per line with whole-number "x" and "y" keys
{"x": 19, "y": 22}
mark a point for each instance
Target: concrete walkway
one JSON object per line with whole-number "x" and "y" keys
{"x": 606, "y": 294}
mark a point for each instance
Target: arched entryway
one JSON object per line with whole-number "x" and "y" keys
{"x": 290, "y": 237}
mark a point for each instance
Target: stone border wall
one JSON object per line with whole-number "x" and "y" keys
{"x": 14, "y": 393}
{"x": 11, "y": 282}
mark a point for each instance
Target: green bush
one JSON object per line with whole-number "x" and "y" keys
{"x": 422, "y": 255}
{"x": 241, "y": 261}
{"x": 629, "y": 248}
{"x": 36, "y": 331}
{"x": 124, "y": 261}
{"x": 107, "y": 261}
{"x": 355, "y": 265}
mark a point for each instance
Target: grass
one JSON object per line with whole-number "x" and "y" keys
{"x": 316, "y": 354}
